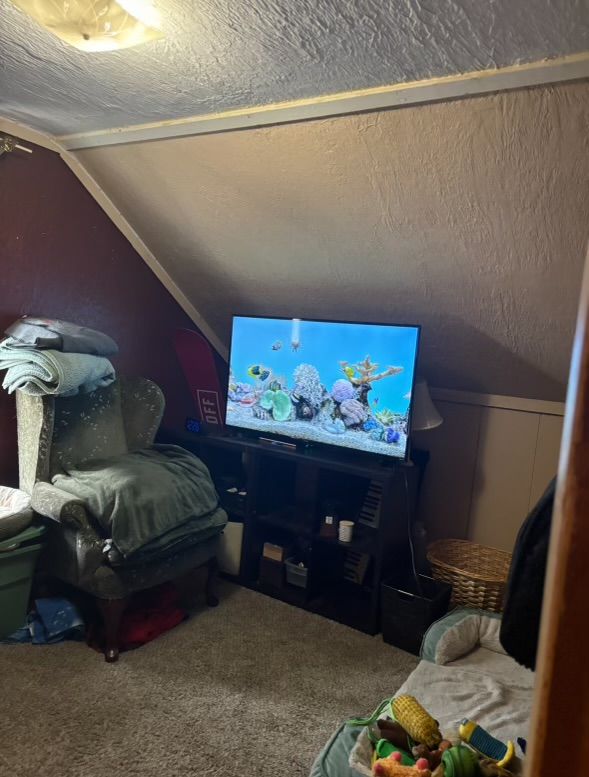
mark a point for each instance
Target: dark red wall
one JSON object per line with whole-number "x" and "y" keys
{"x": 62, "y": 257}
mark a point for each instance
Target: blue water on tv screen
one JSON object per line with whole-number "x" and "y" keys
{"x": 341, "y": 384}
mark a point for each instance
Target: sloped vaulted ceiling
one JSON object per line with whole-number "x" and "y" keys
{"x": 470, "y": 217}
{"x": 223, "y": 54}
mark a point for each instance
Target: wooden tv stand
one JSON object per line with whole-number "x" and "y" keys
{"x": 287, "y": 491}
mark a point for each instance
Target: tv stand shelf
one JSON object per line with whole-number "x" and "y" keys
{"x": 341, "y": 460}
{"x": 288, "y": 492}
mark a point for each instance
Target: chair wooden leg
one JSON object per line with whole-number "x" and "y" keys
{"x": 212, "y": 570}
{"x": 112, "y": 611}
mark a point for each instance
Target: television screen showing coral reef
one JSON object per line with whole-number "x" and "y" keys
{"x": 342, "y": 384}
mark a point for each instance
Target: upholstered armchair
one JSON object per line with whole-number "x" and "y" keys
{"x": 55, "y": 434}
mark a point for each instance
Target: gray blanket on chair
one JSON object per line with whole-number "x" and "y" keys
{"x": 52, "y": 372}
{"x": 146, "y": 495}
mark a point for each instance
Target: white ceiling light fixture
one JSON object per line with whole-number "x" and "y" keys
{"x": 96, "y": 25}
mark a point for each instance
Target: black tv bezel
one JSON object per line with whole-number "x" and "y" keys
{"x": 332, "y": 445}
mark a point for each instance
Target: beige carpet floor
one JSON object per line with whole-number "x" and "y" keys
{"x": 253, "y": 687}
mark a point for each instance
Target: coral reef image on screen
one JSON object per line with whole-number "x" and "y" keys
{"x": 338, "y": 383}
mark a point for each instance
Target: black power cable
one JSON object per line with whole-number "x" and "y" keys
{"x": 410, "y": 535}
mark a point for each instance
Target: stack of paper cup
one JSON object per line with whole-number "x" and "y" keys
{"x": 346, "y": 530}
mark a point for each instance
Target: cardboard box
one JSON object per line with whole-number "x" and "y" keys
{"x": 274, "y": 552}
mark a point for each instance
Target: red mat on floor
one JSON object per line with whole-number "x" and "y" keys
{"x": 149, "y": 614}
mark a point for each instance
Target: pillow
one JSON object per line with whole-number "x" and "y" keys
{"x": 489, "y": 633}
{"x": 459, "y": 632}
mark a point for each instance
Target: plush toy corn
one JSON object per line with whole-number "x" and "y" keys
{"x": 416, "y": 721}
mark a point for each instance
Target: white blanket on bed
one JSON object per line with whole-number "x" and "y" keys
{"x": 468, "y": 689}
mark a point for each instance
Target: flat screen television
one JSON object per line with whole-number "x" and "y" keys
{"x": 329, "y": 382}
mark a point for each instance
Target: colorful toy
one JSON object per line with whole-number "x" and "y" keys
{"x": 384, "y": 749}
{"x": 392, "y": 767}
{"x": 485, "y": 744}
{"x": 395, "y": 733}
{"x": 433, "y": 757}
{"x": 489, "y": 768}
{"x": 411, "y": 745}
{"x": 458, "y": 762}
{"x": 416, "y": 721}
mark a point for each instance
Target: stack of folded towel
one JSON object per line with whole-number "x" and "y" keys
{"x": 47, "y": 356}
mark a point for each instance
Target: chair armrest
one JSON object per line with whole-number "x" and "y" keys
{"x": 52, "y": 502}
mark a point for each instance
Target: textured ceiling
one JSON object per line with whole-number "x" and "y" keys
{"x": 223, "y": 54}
{"x": 470, "y": 217}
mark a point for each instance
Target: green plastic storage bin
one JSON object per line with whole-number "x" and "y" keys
{"x": 18, "y": 556}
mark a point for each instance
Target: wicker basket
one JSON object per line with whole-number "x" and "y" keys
{"x": 478, "y": 574}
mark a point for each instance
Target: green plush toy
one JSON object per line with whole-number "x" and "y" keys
{"x": 384, "y": 748}
{"x": 458, "y": 762}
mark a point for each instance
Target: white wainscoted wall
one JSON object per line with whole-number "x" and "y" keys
{"x": 490, "y": 461}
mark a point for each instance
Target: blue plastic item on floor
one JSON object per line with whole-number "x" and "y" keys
{"x": 53, "y": 620}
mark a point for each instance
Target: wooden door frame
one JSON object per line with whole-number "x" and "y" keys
{"x": 559, "y": 741}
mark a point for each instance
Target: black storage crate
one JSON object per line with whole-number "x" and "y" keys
{"x": 271, "y": 572}
{"x": 406, "y": 613}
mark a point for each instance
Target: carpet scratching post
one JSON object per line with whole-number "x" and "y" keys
{"x": 112, "y": 611}
{"x": 212, "y": 570}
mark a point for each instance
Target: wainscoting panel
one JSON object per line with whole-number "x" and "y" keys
{"x": 446, "y": 494}
{"x": 547, "y": 451}
{"x": 503, "y": 475}
{"x": 489, "y": 464}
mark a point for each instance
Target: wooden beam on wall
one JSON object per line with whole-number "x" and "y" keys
{"x": 523, "y": 404}
{"x": 573, "y": 67}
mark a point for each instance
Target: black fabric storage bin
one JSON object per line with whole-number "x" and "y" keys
{"x": 271, "y": 572}
{"x": 406, "y": 613}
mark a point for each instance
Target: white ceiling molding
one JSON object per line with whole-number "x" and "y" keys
{"x": 33, "y": 136}
{"x": 569, "y": 68}
{"x": 27, "y": 133}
